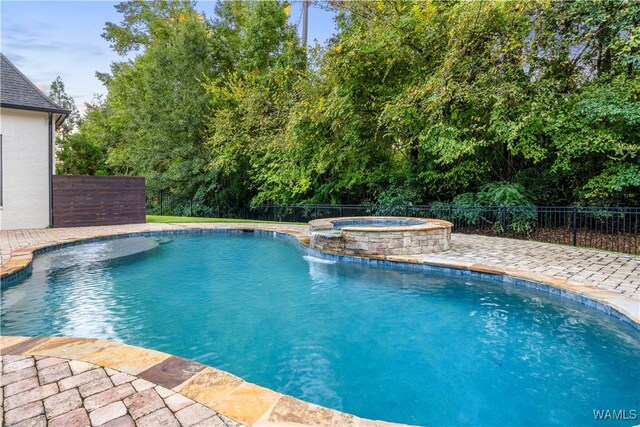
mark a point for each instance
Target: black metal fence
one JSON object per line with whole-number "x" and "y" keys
{"x": 607, "y": 228}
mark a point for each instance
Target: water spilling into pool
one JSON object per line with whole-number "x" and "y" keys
{"x": 382, "y": 343}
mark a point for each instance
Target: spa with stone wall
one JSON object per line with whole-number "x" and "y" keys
{"x": 380, "y": 236}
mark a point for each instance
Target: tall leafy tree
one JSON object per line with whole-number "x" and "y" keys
{"x": 156, "y": 104}
{"x": 251, "y": 103}
{"x": 528, "y": 101}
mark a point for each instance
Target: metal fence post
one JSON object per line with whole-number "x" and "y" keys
{"x": 574, "y": 220}
{"x": 191, "y": 207}
{"x": 504, "y": 221}
{"x": 161, "y": 210}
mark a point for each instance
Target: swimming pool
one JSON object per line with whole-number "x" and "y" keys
{"x": 394, "y": 344}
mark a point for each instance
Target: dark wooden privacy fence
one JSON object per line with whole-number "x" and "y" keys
{"x": 97, "y": 200}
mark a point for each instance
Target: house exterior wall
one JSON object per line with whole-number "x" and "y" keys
{"x": 25, "y": 169}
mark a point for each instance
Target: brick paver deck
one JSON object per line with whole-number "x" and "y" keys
{"x": 41, "y": 390}
{"x": 606, "y": 270}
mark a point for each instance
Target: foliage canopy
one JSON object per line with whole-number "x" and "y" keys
{"x": 417, "y": 101}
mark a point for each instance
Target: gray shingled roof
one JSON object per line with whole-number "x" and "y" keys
{"x": 17, "y": 91}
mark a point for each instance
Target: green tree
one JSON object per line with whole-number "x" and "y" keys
{"x": 251, "y": 103}
{"x": 76, "y": 154}
{"x": 58, "y": 94}
{"x": 153, "y": 120}
{"x": 416, "y": 101}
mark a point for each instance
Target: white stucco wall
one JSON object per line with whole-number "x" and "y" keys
{"x": 25, "y": 169}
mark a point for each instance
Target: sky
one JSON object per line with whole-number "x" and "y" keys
{"x": 46, "y": 39}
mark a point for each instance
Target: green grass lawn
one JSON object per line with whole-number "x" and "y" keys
{"x": 159, "y": 218}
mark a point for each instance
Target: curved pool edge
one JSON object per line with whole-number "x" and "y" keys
{"x": 220, "y": 391}
{"x": 613, "y": 304}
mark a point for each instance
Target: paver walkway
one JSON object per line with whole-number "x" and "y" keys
{"x": 39, "y": 391}
{"x": 606, "y": 270}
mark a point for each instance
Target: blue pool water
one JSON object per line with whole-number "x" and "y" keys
{"x": 382, "y": 343}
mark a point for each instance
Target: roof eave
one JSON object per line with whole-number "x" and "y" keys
{"x": 43, "y": 109}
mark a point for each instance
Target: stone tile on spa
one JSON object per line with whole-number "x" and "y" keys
{"x": 246, "y": 403}
{"x": 172, "y": 371}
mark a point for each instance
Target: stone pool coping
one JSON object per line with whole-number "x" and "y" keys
{"x": 420, "y": 224}
{"x": 222, "y": 392}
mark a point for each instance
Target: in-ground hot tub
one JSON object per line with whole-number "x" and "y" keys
{"x": 376, "y": 236}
